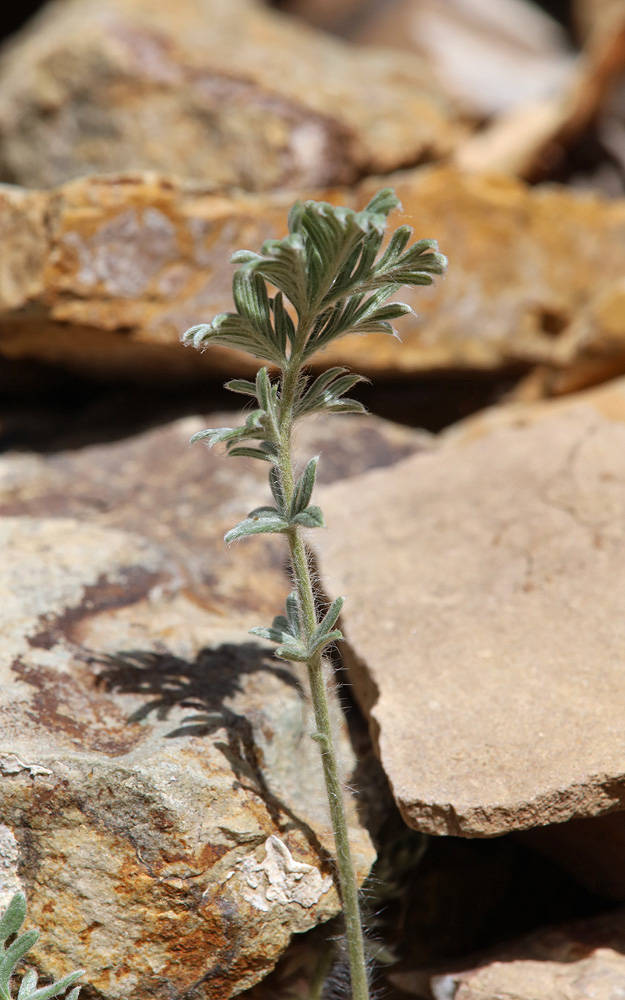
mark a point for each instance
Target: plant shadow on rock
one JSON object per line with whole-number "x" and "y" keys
{"x": 204, "y": 686}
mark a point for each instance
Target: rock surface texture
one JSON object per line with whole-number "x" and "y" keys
{"x": 576, "y": 962}
{"x": 161, "y": 802}
{"x": 225, "y": 93}
{"x": 484, "y": 620}
{"x": 104, "y": 274}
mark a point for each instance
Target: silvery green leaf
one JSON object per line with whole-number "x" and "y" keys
{"x": 383, "y": 203}
{"x": 232, "y": 330}
{"x": 346, "y": 406}
{"x": 244, "y": 452}
{"x": 312, "y": 517}
{"x": 13, "y": 917}
{"x": 293, "y": 613}
{"x": 55, "y": 989}
{"x": 257, "y": 525}
{"x": 215, "y": 434}
{"x": 325, "y": 390}
{"x": 325, "y": 640}
{"x": 250, "y": 297}
{"x": 10, "y": 923}
{"x": 280, "y": 625}
{"x": 328, "y": 621}
{"x": 267, "y": 633}
{"x": 275, "y": 484}
{"x": 263, "y": 512}
{"x": 304, "y": 487}
{"x": 244, "y": 257}
{"x": 241, "y": 385}
{"x": 28, "y": 984}
{"x": 396, "y": 246}
{"x": 74, "y": 994}
{"x": 263, "y": 389}
{"x": 283, "y": 324}
{"x": 298, "y": 653}
{"x": 13, "y": 954}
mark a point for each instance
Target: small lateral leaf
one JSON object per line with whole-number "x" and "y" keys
{"x": 13, "y": 917}
{"x": 331, "y": 617}
{"x": 264, "y": 632}
{"x": 242, "y": 452}
{"x": 258, "y": 525}
{"x": 213, "y": 435}
{"x": 46, "y": 992}
{"x": 241, "y": 385}
{"x": 299, "y": 654}
{"x": 304, "y": 487}
{"x": 28, "y": 984}
{"x": 324, "y": 640}
{"x": 263, "y": 389}
{"x": 312, "y": 517}
{"x": 275, "y": 484}
{"x": 13, "y": 954}
{"x": 346, "y": 406}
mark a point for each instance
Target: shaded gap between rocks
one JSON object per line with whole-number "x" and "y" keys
{"x": 45, "y": 408}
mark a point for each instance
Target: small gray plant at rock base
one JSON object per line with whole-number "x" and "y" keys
{"x": 11, "y": 954}
{"x": 329, "y": 271}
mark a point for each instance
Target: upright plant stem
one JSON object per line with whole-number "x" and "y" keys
{"x": 323, "y": 736}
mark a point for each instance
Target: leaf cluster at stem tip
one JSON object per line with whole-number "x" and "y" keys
{"x": 328, "y": 269}
{"x": 10, "y": 956}
{"x": 331, "y": 277}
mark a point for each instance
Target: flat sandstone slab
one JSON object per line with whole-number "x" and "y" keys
{"x": 485, "y": 617}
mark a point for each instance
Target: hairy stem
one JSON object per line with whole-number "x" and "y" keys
{"x": 323, "y": 736}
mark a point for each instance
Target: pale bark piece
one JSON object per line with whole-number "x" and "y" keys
{"x": 490, "y": 57}
{"x": 224, "y": 93}
{"x": 104, "y": 274}
{"x": 538, "y": 139}
{"x": 161, "y": 801}
{"x": 484, "y": 622}
{"x": 574, "y": 962}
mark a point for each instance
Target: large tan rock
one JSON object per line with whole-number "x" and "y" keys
{"x": 225, "y": 93}
{"x": 161, "y": 802}
{"x": 104, "y": 274}
{"x": 484, "y": 621}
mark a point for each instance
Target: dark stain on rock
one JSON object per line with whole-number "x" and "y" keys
{"x": 132, "y": 585}
{"x": 63, "y": 706}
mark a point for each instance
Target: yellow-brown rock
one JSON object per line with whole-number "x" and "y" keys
{"x": 161, "y": 802}
{"x": 105, "y": 273}
{"x": 225, "y": 93}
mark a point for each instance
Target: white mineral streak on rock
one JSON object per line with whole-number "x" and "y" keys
{"x": 11, "y": 764}
{"x": 279, "y": 878}
{"x": 126, "y": 253}
{"x": 9, "y": 856}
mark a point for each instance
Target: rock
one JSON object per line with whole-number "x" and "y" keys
{"x": 490, "y": 58}
{"x": 581, "y": 960}
{"x": 103, "y": 275}
{"x": 484, "y": 622}
{"x": 160, "y": 801}
{"x": 226, "y": 94}
{"x": 336, "y": 16}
